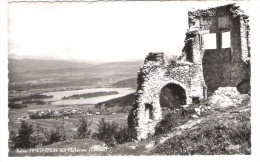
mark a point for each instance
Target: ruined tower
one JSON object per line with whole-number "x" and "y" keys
{"x": 216, "y": 54}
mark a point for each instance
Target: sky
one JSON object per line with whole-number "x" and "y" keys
{"x": 100, "y": 31}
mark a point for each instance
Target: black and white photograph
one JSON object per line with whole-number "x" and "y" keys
{"x": 129, "y": 78}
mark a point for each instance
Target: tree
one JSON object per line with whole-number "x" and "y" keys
{"x": 83, "y": 130}
{"x": 106, "y": 132}
{"x": 112, "y": 133}
{"x": 23, "y": 140}
{"x": 123, "y": 135}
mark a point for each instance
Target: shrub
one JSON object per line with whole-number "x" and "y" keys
{"x": 112, "y": 133}
{"x": 12, "y": 136}
{"x": 172, "y": 120}
{"x": 124, "y": 135}
{"x": 55, "y": 136}
{"x": 106, "y": 132}
{"x": 83, "y": 130}
{"x": 23, "y": 139}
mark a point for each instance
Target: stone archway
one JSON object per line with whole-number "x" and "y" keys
{"x": 172, "y": 95}
{"x": 243, "y": 87}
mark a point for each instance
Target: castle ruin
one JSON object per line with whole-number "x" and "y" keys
{"x": 216, "y": 54}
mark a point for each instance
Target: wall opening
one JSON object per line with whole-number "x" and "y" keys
{"x": 204, "y": 92}
{"x": 149, "y": 112}
{"x": 244, "y": 87}
{"x": 226, "y": 40}
{"x": 172, "y": 96}
{"x": 195, "y": 100}
{"x": 189, "y": 51}
{"x": 210, "y": 41}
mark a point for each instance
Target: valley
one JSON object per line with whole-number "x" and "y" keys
{"x": 49, "y": 87}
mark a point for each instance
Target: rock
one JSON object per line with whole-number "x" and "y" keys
{"x": 225, "y": 97}
{"x": 197, "y": 110}
{"x": 150, "y": 145}
{"x": 194, "y": 116}
{"x": 132, "y": 147}
{"x": 162, "y": 140}
{"x": 136, "y": 141}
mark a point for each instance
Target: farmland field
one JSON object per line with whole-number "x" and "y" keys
{"x": 70, "y": 124}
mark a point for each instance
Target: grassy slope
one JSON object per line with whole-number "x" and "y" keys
{"x": 215, "y": 132}
{"x": 226, "y": 131}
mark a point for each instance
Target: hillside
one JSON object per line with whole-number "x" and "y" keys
{"x": 23, "y": 65}
{"x": 122, "y": 102}
{"x": 209, "y": 128}
{"x": 130, "y": 67}
{"x": 28, "y": 74}
{"x": 28, "y": 65}
{"x": 216, "y": 132}
{"x": 132, "y": 82}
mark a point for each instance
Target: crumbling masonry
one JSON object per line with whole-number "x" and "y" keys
{"x": 216, "y": 54}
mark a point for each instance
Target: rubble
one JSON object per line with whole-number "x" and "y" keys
{"x": 225, "y": 97}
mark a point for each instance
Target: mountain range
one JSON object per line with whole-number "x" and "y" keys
{"x": 31, "y": 73}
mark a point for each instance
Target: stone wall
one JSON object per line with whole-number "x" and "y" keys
{"x": 224, "y": 66}
{"x": 198, "y": 72}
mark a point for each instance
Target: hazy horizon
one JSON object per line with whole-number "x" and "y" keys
{"x": 99, "y": 31}
{"x": 72, "y": 60}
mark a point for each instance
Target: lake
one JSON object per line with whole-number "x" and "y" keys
{"x": 56, "y": 100}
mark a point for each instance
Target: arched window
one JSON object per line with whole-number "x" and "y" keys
{"x": 244, "y": 87}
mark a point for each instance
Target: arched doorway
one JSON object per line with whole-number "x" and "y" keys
{"x": 172, "y": 96}
{"x": 244, "y": 87}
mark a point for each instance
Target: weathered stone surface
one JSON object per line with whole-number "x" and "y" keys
{"x": 198, "y": 72}
{"x": 225, "y": 97}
